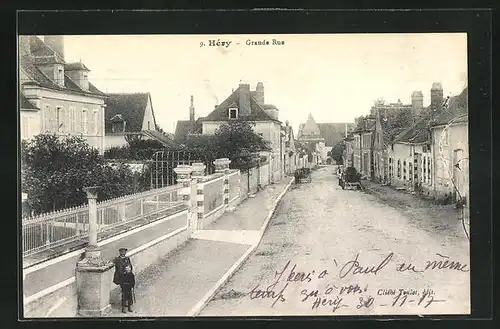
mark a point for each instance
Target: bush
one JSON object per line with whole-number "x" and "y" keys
{"x": 55, "y": 171}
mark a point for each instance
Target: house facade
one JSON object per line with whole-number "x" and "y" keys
{"x": 247, "y": 105}
{"x": 411, "y": 155}
{"x": 131, "y": 115}
{"x": 56, "y": 97}
{"x": 450, "y": 150}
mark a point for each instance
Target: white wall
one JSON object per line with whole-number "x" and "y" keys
{"x": 29, "y": 123}
{"x": 148, "y": 122}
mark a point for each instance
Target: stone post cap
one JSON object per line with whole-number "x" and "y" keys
{"x": 222, "y": 162}
{"x": 183, "y": 170}
{"x": 198, "y": 169}
{"x": 92, "y": 191}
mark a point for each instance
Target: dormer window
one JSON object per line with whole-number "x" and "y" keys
{"x": 233, "y": 113}
{"x": 118, "y": 124}
{"x": 60, "y": 76}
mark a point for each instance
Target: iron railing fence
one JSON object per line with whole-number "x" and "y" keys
{"x": 162, "y": 165}
{"x": 47, "y": 231}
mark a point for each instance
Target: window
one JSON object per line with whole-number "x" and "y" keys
{"x": 47, "y": 120}
{"x": 399, "y": 168}
{"x": 445, "y": 137}
{"x": 71, "y": 119}
{"x": 233, "y": 113}
{"x": 84, "y": 121}
{"x": 95, "y": 119}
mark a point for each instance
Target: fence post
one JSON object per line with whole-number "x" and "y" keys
{"x": 222, "y": 166}
{"x": 184, "y": 178}
{"x": 198, "y": 175}
{"x": 93, "y": 273}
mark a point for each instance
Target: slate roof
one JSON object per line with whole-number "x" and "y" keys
{"x": 24, "y": 103}
{"x": 419, "y": 133}
{"x": 221, "y": 112}
{"x": 186, "y": 127}
{"x": 28, "y": 63}
{"x": 132, "y": 108}
{"x": 165, "y": 140}
{"x": 75, "y": 66}
{"x": 457, "y": 110}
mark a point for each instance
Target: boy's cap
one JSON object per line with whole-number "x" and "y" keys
{"x": 122, "y": 249}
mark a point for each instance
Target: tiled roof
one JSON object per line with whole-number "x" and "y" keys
{"x": 419, "y": 132}
{"x": 221, "y": 112}
{"x": 132, "y": 108}
{"x": 75, "y": 66}
{"x": 186, "y": 127}
{"x": 165, "y": 140}
{"x": 457, "y": 110}
{"x": 269, "y": 107}
{"x": 24, "y": 103}
{"x": 40, "y": 54}
{"x": 40, "y": 49}
{"x": 332, "y": 132}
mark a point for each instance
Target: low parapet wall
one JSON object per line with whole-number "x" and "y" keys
{"x": 50, "y": 289}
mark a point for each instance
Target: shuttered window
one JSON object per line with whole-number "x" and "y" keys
{"x": 85, "y": 121}
{"x": 46, "y": 118}
{"x": 71, "y": 119}
{"x": 96, "y": 121}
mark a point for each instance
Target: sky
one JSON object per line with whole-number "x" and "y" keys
{"x": 335, "y": 77}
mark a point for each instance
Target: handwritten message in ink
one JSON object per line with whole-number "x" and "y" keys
{"x": 331, "y": 293}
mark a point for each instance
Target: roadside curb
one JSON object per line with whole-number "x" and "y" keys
{"x": 202, "y": 303}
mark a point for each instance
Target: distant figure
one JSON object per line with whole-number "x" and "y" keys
{"x": 127, "y": 284}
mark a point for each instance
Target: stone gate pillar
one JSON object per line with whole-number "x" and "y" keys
{"x": 198, "y": 176}
{"x": 184, "y": 178}
{"x": 222, "y": 166}
{"x": 93, "y": 273}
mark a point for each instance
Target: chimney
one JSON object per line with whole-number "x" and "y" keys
{"x": 417, "y": 102}
{"x": 191, "y": 110}
{"x": 244, "y": 99}
{"x": 259, "y": 93}
{"x": 436, "y": 96}
{"x": 56, "y": 43}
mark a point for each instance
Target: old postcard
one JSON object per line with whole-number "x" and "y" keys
{"x": 244, "y": 175}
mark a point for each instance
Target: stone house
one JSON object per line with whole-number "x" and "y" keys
{"x": 131, "y": 115}
{"x": 57, "y": 97}
{"x": 410, "y": 155}
{"x": 450, "y": 150}
{"x": 247, "y": 105}
{"x": 362, "y": 146}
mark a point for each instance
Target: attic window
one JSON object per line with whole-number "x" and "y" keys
{"x": 233, "y": 113}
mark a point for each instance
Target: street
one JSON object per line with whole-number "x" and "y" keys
{"x": 329, "y": 251}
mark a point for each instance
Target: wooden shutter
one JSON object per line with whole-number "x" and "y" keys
{"x": 71, "y": 127}
{"x": 85, "y": 121}
{"x": 78, "y": 120}
{"x": 46, "y": 118}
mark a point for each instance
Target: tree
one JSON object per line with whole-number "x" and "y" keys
{"x": 237, "y": 140}
{"x": 55, "y": 170}
{"x": 338, "y": 151}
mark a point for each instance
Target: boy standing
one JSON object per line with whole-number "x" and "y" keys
{"x": 127, "y": 284}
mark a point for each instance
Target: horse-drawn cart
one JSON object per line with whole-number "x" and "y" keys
{"x": 350, "y": 178}
{"x": 303, "y": 175}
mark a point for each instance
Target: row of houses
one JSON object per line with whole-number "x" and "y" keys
{"x": 57, "y": 97}
{"x": 416, "y": 148}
